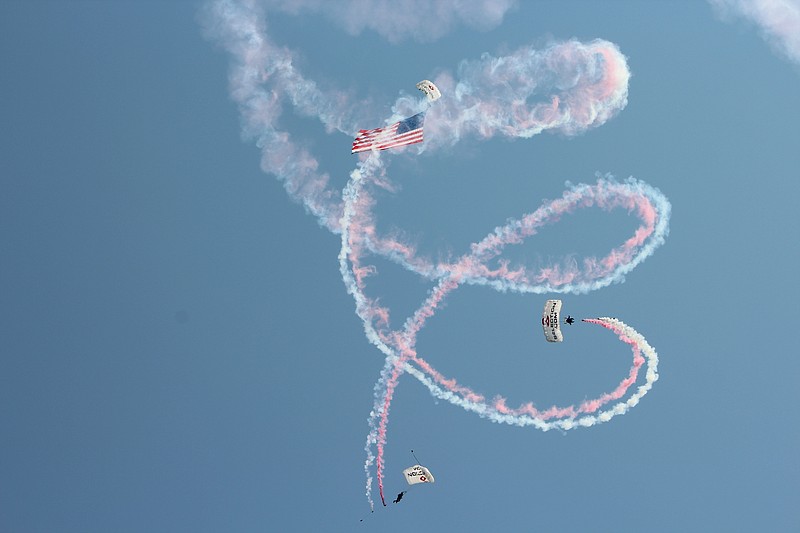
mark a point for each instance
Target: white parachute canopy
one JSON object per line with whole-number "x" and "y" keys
{"x": 418, "y": 474}
{"x": 430, "y": 90}
{"x": 551, "y": 321}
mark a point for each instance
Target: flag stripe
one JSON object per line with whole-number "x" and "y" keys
{"x": 388, "y": 137}
{"x": 411, "y": 137}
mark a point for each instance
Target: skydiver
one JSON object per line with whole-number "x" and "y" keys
{"x": 569, "y": 320}
{"x": 399, "y": 497}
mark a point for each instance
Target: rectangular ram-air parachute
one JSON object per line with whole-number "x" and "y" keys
{"x": 418, "y": 474}
{"x": 551, "y": 321}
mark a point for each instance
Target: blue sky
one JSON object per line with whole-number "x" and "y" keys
{"x": 179, "y": 352}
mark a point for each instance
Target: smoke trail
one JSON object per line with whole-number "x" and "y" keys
{"x": 778, "y": 20}
{"x": 567, "y": 87}
{"x": 647, "y": 203}
{"x": 397, "y": 20}
{"x": 263, "y": 80}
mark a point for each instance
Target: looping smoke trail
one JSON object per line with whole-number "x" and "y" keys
{"x": 568, "y": 87}
{"x": 399, "y": 346}
{"x": 777, "y": 20}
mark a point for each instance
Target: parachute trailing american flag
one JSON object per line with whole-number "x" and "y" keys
{"x": 407, "y": 131}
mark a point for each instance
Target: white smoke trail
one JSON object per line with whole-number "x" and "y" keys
{"x": 263, "y": 79}
{"x": 778, "y": 21}
{"x": 400, "y": 20}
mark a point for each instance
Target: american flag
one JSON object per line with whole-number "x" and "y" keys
{"x": 407, "y": 131}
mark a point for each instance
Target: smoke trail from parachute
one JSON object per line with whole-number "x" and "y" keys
{"x": 567, "y": 87}
{"x": 399, "y": 346}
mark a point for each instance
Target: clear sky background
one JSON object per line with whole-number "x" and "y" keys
{"x": 179, "y": 352}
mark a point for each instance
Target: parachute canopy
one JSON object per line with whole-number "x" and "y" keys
{"x": 417, "y": 474}
{"x": 430, "y": 90}
{"x": 551, "y": 321}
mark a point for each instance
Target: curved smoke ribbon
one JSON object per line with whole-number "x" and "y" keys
{"x": 399, "y": 346}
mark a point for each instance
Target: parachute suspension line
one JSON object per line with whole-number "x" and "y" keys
{"x": 415, "y": 457}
